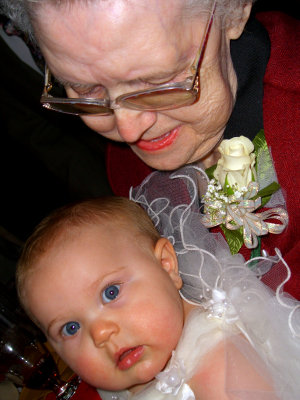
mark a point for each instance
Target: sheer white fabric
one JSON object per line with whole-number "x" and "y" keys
{"x": 234, "y": 304}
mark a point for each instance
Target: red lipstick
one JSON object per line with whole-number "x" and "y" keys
{"x": 126, "y": 358}
{"x": 158, "y": 143}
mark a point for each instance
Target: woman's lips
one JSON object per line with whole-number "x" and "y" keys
{"x": 158, "y": 143}
{"x": 126, "y": 358}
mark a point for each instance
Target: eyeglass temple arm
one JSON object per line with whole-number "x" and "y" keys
{"x": 195, "y": 67}
{"x": 47, "y": 82}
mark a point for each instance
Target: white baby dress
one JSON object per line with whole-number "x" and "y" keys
{"x": 234, "y": 303}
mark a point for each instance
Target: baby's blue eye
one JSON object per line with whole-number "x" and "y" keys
{"x": 71, "y": 328}
{"x": 110, "y": 293}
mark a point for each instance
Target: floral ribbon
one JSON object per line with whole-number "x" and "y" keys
{"x": 239, "y": 213}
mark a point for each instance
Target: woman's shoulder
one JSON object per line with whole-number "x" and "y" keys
{"x": 284, "y": 33}
{"x": 281, "y": 124}
{"x": 277, "y": 22}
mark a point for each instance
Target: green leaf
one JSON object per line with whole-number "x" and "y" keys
{"x": 260, "y": 143}
{"x": 234, "y": 239}
{"x": 227, "y": 188}
{"x": 261, "y": 148}
{"x": 210, "y": 171}
{"x": 267, "y": 192}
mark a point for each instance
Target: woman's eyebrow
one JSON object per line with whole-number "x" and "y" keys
{"x": 159, "y": 75}
{"x": 74, "y": 84}
{"x": 166, "y": 73}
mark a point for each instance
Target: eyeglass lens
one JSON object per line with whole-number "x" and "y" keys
{"x": 156, "y": 100}
{"x": 160, "y": 100}
{"x": 76, "y": 108}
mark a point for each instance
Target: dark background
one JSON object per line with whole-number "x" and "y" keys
{"x": 291, "y": 7}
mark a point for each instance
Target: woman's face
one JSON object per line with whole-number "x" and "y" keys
{"x": 122, "y": 47}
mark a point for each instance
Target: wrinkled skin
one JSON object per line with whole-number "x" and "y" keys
{"x": 127, "y": 46}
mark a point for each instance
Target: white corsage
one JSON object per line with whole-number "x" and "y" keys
{"x": 234, "y": 194}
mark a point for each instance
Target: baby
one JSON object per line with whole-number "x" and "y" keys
{"x": 104, "y": 287}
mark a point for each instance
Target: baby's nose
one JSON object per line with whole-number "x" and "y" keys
{"x": 101, "y": 332}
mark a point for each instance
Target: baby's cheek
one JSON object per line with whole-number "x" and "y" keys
{"x": 90, "y": 371}
{"x": 78, "y": 360}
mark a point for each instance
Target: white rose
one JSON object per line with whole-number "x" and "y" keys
{"x": 236, "y": 162}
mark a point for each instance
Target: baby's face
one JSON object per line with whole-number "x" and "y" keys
{"x": 109, "y": 305}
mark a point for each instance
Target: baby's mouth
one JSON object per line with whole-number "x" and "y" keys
{"x": 126, "y": 358}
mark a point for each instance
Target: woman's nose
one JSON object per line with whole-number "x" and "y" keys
{"x": 132, "y": 124}
{"x": 102, "y": 331}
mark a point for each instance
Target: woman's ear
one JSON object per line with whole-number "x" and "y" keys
{"x": 237, "y": 27}
{"x": 166, "y": 255}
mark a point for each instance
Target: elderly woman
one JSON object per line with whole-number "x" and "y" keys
{"x": 172, "y": 79}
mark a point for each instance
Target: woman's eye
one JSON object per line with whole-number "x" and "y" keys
{"x": 98, "y": 92}
{"x": 70, "y": 328}
{"x": 158, "y": 82}
{"x": 110, "y": 293}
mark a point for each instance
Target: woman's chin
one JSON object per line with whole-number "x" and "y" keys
{"x": 163, "y": 164}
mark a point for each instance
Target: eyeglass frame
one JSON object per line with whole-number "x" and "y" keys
{"x": 190, "y": 84}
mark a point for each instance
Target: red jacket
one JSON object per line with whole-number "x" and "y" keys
{"x": 281, "y": 108}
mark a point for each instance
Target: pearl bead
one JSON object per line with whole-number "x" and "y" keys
{"x": 173, "y": 379}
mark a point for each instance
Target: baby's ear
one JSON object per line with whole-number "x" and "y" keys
{"x": 165, "y": 253}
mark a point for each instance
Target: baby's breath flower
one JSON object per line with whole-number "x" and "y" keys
{"x": 216, "y": 200}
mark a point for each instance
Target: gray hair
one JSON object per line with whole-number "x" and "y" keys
{"x": 23, "y": 12}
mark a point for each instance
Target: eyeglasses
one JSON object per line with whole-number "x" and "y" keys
{"x": 163, "y": 97}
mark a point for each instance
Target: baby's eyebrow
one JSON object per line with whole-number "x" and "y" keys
{"x": 51, "y": 323}
{"x": 106, "y": 277}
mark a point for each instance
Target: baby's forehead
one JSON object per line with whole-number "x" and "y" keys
{"x": 105, "y": 234}
{"x": 89, "y": 246}
{"x": 88, "y": 249}
{"x": 67, "y": 243}
{"x": 99, "y": 228}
